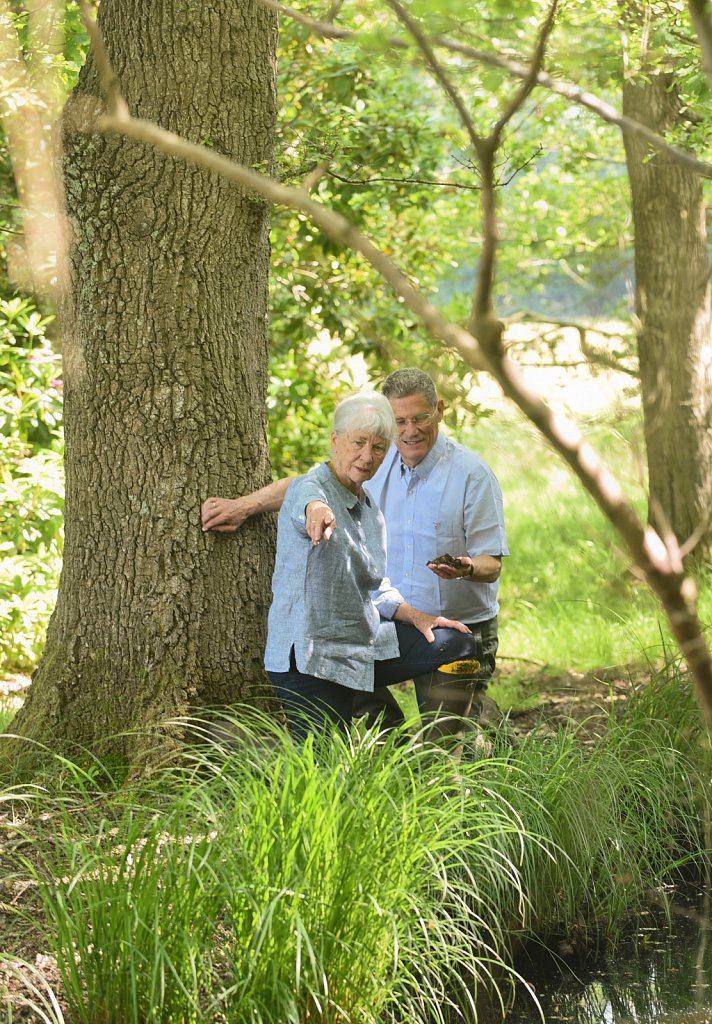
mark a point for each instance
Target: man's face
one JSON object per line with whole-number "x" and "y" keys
{"x": 417, "y": 427}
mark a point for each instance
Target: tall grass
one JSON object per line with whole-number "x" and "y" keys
{"x": 358, "y": 880}
{"x": 283, "y": 887}
{"x": 569, "y": 599}
{"x": 625, "y": 813}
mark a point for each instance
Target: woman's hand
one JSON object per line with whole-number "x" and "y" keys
{"x": 321, "y": 521}
{"x": 426, "y": 623}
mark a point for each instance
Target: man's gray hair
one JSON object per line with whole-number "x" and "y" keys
{"x": 368, "y": 411}
{"x": 409, "y": 381}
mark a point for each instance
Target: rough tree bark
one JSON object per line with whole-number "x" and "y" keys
{"x": 165, "y": 350}
{"x": 673, "y": 308}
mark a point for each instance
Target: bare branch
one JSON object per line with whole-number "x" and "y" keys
{"x": 592, "y": 354}
{"x": 408, "y": 181}
{"x": 314, "y": 176}
{"x": 325, "y": 29}
{"x": 581, "y": 98}
{"x": 699, "y": 534}
{"x": 530, "y": 81}
{"x": 438, "y": 72}
{"x": 107, "y": 76}
{"x": 572, "y": 93}
{"x": 333, "y": 11}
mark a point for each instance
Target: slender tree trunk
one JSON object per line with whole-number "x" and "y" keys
{"x": 673, "y": 309}
{"x": 165, "y": 346}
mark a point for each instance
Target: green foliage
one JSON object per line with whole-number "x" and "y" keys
{"x": 269, "y": 884}
{"x": 360, "y": 123}
{"x": 569, "y": 598}
{"x": 299, "y": 416}
{"x": 31, "y": 481}
{"x": 622, "y": 812}
{"x": 363, "y": 880}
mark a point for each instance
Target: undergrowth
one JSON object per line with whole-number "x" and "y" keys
{"x": 356, "y": 879}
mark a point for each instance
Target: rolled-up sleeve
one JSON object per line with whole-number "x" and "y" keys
{"x": 301, "y": 493}
{"x": 387, "y": 599}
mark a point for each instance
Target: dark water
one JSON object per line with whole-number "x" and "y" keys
{"x": 659, "y": 973}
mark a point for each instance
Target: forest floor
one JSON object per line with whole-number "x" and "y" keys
{"x": 582, "y": 699}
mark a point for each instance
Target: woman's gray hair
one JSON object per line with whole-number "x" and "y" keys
{"x": 368, "y": 411}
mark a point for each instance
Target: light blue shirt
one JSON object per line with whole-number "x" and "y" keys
{"x": 322, "y": 594}
{"x": 451, "y": 502}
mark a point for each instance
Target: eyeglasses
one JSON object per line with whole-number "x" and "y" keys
{"x": 421, "y": 420}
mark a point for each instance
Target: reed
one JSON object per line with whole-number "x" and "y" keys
{"x": 354, "y": 880}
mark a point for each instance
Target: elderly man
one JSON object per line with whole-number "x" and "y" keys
{"x": 437, "y": 497}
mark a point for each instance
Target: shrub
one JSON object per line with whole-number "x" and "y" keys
{"x": 31, "y": 481}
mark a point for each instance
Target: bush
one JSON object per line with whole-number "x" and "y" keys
{"x": 31, "y": 481}
{"x": 354, "y": 880}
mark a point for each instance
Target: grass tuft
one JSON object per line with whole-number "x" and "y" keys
{"x": 357, "y": 879}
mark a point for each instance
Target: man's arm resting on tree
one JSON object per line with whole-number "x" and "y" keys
{"x": 225, "y": 515}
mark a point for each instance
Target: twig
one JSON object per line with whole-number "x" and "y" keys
{"x": 530, "y": 80}
{"x": 438, "y": 73}
{"x": 572, "y": 93}
{"x": 404, "y": 181}
{"x": 107, "y": 76}
{"x": 592, "y": 354}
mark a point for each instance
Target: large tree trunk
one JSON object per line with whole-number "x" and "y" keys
{"x": 165, "y": 345}
{"x": 673, "y": 309}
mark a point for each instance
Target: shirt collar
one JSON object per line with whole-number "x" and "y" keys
{"x": 427, "y": 465}
{"x": 348, "y": 497}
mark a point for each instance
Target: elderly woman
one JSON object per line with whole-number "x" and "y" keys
{"x": 336, "y": 625}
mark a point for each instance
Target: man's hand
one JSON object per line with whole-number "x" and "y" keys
{"x": 321, "y": 521}
{"x": 426, "y": 623}
{"x": 452, "y": 569}
{"x": 224, "y": 515}
{"x": 480, "y": 569}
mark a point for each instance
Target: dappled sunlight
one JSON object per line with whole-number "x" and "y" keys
{"x": 567, "y": 377}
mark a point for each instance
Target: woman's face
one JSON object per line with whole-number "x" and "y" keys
{"x": 356, "y": 455}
